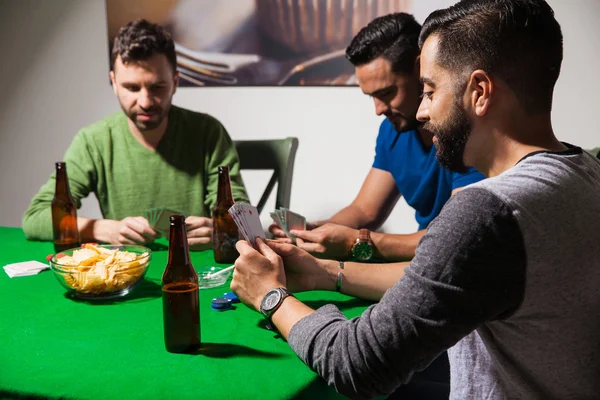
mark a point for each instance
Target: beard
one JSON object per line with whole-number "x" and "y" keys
{"x": 452, "y": 137}
{"x": 146, "y": 125}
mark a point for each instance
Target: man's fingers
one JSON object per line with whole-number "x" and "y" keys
{"x": 141, "y": 226}
{"x": 131, "y": 235}
{"x": 264, "y": 248}
{"x": 284, "y": 240}
{"x": 244, "y": 248}
{"x": 283, "y": 249}
{"x": 276, "y": 231}
{"x": 200, "y": 232}
{"x": 136, "y": 224}
{"x": 310, "y": 247}
{"x": 194, "y": 222}
{"x": 310, "y": 236}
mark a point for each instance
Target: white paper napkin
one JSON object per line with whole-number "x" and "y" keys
{"x": 25, "y": 268}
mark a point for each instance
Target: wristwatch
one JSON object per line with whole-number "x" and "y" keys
{"x": 272, "y": 300}
{"x": 363, "y": 248}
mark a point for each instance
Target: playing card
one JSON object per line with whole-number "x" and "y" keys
{"x": 253, "y": 224}
{"x": 247, "y": 219}
{"x": 151, "y": 214}
{"x": 277, "y": 220}
{"x": 236, "y": 213}
{"x": 161, "y": 221}
{"x": 25, "y": 268}
{"x": 295, "y": 221}
{"x": 158, "y": 218}
{"x": 288, "y": 220}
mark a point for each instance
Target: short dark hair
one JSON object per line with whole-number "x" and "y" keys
{"x": 519, "y": 41}
{"x": 395, "y": 37}
{"x": 139, "y": 40}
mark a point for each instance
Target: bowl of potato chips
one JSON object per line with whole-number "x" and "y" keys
{"x": 101, "y": 271}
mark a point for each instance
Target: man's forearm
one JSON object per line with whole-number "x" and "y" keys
{"x": 396, "y": 247}
{"x": 289, "y": 313}
{"x": 94, "y": 230}
{"x": 367, "y": 281}
{"x": 353, "y": 217}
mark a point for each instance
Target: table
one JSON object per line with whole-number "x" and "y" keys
{"x": 56, "y": 347}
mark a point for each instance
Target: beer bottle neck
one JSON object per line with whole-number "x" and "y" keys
{"x": 62, "y": 181}
{"x": 224, "y": 195}
{"x": 179, "y": 253}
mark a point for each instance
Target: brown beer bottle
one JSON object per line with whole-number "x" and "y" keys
{"x": 64, "y": 213}
{"x": 225, "y": 231}
{"x": 181, "y": 302}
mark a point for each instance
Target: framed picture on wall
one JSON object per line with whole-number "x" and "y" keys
{"x": 258, "y": 42}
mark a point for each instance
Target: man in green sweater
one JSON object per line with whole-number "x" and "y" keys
{"x": 152, "y": 154}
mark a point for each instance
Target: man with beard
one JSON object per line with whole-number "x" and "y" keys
{"x": 507, "y": 275}
{"x": 385, "y": 55}
{"x": 152, "y": 154}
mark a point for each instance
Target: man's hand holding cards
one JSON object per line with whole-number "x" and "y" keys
{"x": 158, "y": 218}
{"x": 287, "y": 220}
{"x": 248, "y": 222}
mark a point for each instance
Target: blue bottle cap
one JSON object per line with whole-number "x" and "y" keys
{"x": 231, "y": 296}
{"x": 221, "y": 304}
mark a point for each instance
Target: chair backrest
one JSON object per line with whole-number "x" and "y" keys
{"x": 277, "y": 155}
{"x": 595, "y": 152}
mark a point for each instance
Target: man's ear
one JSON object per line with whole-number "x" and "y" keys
{"x": 175, "y": 81}
{"x": 480, "y": 91}
{"x": 113, "y": 82}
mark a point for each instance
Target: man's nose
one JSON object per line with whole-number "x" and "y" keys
{"x": 145, "y": 100}
{"x": 380, "y": 107}
{"x": 423, "y": 111}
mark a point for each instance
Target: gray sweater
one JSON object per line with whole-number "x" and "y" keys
{"x": 507, "y": 277}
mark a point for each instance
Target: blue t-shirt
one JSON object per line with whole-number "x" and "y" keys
{"x": 424, "y": 183}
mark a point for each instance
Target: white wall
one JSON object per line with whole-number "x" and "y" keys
{"x": 54, "y": 81}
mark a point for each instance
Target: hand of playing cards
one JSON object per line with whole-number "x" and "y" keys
{"x": 159, "y": 219}
{"x": 248, "y": 222}
{"x": 288, "y": 220}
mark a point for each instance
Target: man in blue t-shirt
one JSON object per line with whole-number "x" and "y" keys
{"x": 385, "y": 55}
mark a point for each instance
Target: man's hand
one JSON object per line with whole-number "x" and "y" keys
{"x": 327, "y": 241}
{"x": 256, "y": 272}
{"x": 131, "y": 230}
{"x": 278, "y": 233}
{"x": 199, "y": 231}
{"x": 303, "y": 272}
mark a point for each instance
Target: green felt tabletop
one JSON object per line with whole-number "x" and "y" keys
{"x": 55, "y": 347}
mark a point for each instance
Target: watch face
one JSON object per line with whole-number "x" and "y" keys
{"x": 362, "y": 251}
{"x": 271, "y": 300}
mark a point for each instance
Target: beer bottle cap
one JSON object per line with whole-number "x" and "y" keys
{"x": 231, "y": 296}
{"x": 221, "y": 304}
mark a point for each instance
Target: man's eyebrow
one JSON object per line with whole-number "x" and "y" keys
{"x": 427, "y": 81}
{"x": 131, "y": 83}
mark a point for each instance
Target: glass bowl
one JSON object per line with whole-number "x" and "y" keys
{"x": 210, "y": 277}
{"x": 95, "y": 272}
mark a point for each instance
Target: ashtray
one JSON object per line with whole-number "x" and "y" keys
{"x": 210, "y": 277}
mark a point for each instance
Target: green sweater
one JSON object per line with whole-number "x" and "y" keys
{"x": 127, "y": 178}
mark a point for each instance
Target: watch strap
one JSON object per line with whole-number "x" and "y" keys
{"x": 364, "y": 235}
